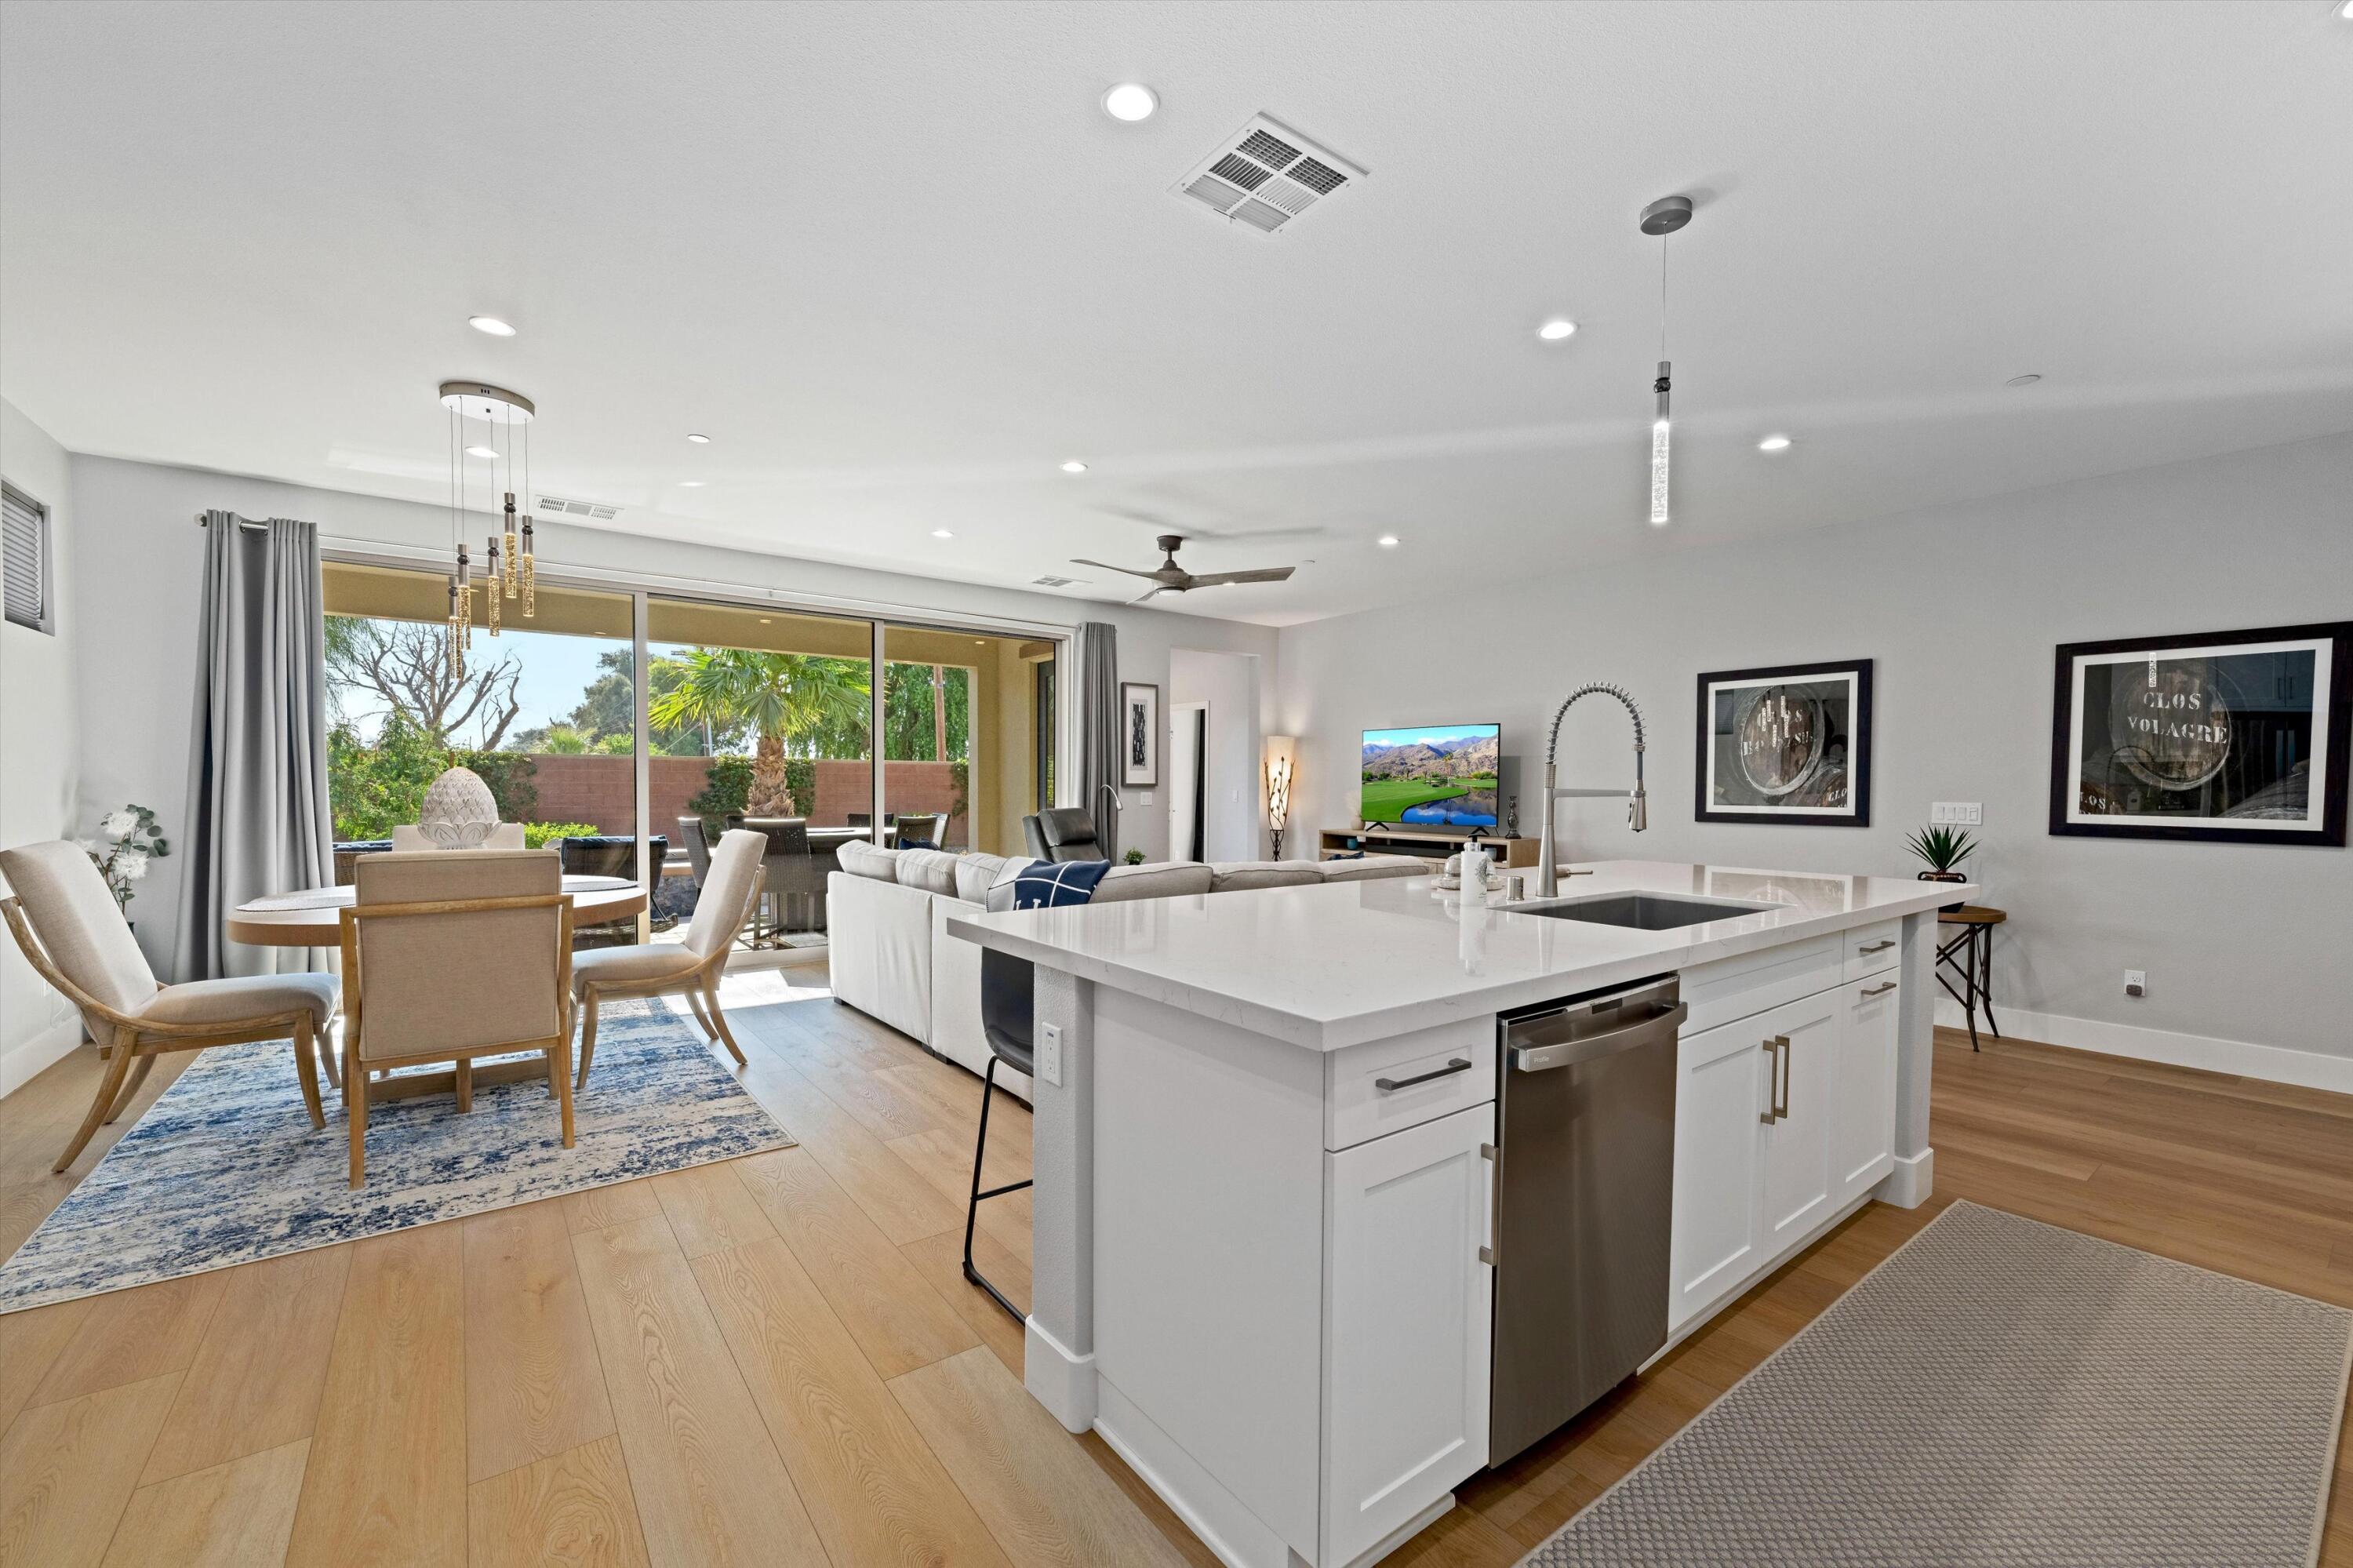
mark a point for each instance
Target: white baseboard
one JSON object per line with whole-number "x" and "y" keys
{"x": 2277, "y": 1063}
{"x": 1912, "y": 1182}
{"x": 1058, "y": 1377}
{"x": 1234, "y": 1535}
{"x": 30, "y": 1057}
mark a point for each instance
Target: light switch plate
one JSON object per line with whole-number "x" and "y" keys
{"x": 1145, "y": 799}
{"x": 1958, "y": 813}
{"x": 1050, "y": 1054}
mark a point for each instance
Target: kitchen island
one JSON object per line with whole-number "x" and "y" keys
{"x": 1267, "y": 1158}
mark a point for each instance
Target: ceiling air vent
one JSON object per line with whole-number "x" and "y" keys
{"x": 1266, "y": 176}
{"x": 1049, "y": 581}
{"x": 557, "y": 506}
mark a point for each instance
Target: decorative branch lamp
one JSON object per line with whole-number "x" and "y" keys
{"x": 1278, "y": 763}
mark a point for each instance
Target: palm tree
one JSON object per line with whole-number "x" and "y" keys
{"x": 819, "y": 703}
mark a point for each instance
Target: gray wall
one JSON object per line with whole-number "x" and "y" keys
{"x": 40, "y": 743}
{"x": 135, "y": 700}
{"x": 1961, "y": 607}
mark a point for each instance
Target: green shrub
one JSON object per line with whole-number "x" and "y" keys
{"x": 800, "y": 782}
{"x": 727, "y": 784}
{"x": 508, "y": 775}
{"x": 539, "y": 835}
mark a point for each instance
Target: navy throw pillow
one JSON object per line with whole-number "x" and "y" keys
{"x": 1050, "y": 885}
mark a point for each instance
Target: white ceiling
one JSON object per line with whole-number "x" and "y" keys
{"x": 897, "y": 262}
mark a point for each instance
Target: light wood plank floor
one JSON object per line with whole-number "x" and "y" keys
{"x": 776, "y": 1360}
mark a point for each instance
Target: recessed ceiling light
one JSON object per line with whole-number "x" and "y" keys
{"x": 482, "y": 451}
{"x": 1074, "y": 466}
{"x": 490, "y": 324}
{"x": 1774, "y": 444}
{"x": 1387, "y": 541}
{"x": 1555, "y": 330}
{"x": 1131, "y": 101}
{"x": 692, "y": 483}
{"x": 698, "y": 438}
{"x": 942, "y": 534}
{"x": 763, "y": 620}
{"x": 2029, "y": 380}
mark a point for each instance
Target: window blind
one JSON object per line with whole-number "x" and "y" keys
{"x": 25, "y": 544}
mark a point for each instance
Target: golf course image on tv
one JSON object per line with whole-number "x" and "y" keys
{"x": 1433, "y": 776}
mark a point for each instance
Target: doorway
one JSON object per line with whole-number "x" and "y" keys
{"x": 1189, "y": 770}
{"x": 1213, "y": 710}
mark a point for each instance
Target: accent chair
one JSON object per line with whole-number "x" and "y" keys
{"x": 690, "y": 967}
{"x": 73, "y": 934}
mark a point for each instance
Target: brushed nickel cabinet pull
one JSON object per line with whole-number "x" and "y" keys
{"x": 1455, "y": 1065}
{"x": 1776, "y": 1080}
{"x": 1878, "y": 946}
{"x": 1493, "y": 1251}
{"x": 1881, "y": 990}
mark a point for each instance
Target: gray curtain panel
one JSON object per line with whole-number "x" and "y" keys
{"x": 1099, "y": 728}
{"x": 257, "y": 820}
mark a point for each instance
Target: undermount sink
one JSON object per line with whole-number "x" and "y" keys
{"x": 1644, "y": 911}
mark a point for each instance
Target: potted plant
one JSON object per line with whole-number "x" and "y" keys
{"x": 1943, "y": 849}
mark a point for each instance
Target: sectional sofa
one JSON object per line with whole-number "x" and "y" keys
{"x": 887, "y": 909}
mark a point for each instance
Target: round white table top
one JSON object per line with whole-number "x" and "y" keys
{"x": 311, "y": 917}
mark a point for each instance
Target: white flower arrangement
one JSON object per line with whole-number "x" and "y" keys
{"x": 128, "y": 838}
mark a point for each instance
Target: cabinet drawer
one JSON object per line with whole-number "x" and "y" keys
{"x": 1356, "y": 1106}
{"x": 1735, "y": 988}
{"x": 1871, "y": 949}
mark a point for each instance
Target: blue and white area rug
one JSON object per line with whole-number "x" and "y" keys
{"x": 226, "y": 1168}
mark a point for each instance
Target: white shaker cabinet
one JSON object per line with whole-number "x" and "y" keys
{"x": 1794, "y": 1158}
{"x": 1407, "y": 1324}
{"x": 1862, "y": 1135}
{"x": 1720, "y": 1075}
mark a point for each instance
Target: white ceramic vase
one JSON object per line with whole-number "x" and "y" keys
{"x": 459, "y": 811}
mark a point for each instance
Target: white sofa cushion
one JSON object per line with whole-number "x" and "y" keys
{"x": 975, "y": 874}
{"x": 1242, "y": 876}
{"x": 1372, "y": 867}
{"x": 1165, "y": 879}
{"x": 879, "y": 946}
{"x": 862, "y": 859}
{"x": 932, "y": 870}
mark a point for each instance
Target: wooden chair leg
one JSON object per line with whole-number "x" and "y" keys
{"x": 118, "y": 1066}
{"x": 355, "y": 1100}
{"x": 564, "y": 1083}
{"x": 587, "y": 1047}
{"x": 719, "y": 1018}
{"x": 139, "y": 1071}
{"x": 323, "y": 1042}
{"x": 694, "y": 1005}
{"x": 465, "y": 1084}
{"x": 306, "y": 1068}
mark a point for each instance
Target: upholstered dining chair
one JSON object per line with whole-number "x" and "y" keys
{"x": 690, "y": 967}
{"x": 452, "y": 955}
{"x": 75, "y": 936}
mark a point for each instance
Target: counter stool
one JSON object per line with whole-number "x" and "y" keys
{"x": 1974, "y": 944}
{"x": 1007, "y": 1009}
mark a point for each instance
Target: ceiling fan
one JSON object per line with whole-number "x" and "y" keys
{"x": 1173, "y": 578}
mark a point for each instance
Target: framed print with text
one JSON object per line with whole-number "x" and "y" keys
{"x": 1791, "y": 743}
{"x": 2233, "y": 736}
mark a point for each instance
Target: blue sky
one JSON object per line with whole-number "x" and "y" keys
{"x": 1413, "y": 737}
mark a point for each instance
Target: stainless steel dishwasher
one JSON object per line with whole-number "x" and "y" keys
{"x": 1585, "y": 1189}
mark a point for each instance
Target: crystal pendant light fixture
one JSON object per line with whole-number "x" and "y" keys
{"x": 1662, "y": 217}
{"x": 507, "y": 557}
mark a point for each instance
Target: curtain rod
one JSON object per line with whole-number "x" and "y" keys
{"x": 241, "y": 522}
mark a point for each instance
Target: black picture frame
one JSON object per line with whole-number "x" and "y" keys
{"x": 1857, "y": 672}
{"x": 1140, "y": 725}
{"x": 2331, "y": 708}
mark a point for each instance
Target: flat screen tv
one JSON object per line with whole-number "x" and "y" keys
{"x": 1432, "y": 775}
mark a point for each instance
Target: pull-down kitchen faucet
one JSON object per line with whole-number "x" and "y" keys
{"x": 1638, "y": 811}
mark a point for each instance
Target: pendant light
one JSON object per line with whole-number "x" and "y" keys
{"x": 1662, "y": 217}
{"x": 508, "y": 566}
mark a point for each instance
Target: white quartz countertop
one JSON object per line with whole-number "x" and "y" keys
{"x": 1341, "y": 963}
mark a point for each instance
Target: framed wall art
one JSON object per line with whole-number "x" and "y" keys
{"x": 2233, "y": 737}
{"x": 1786, "y": 744}
{"x": 1139, "y": 737}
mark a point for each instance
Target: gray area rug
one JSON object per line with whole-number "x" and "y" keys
{"x": 2003, "y": 1391}
{"x": 225, "y": 1168}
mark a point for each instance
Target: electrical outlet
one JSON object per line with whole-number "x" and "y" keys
{"x": 2135, "y": 983}
{"x": 1958, "y": 814}
{"x": 1050, "y": 1054}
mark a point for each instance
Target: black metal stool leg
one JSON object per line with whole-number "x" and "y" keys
{"x": 1968, "y": 971}
{"x": 972, "y": 1209}
{"x": 1985, "y": 986}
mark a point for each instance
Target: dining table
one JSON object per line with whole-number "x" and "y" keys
{"x": 313, "y": 918}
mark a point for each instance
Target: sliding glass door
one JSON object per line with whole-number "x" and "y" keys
{"x": 761, "y": 718}
{"x": 544, "y": 711}
{"x": 963, "y": 731}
